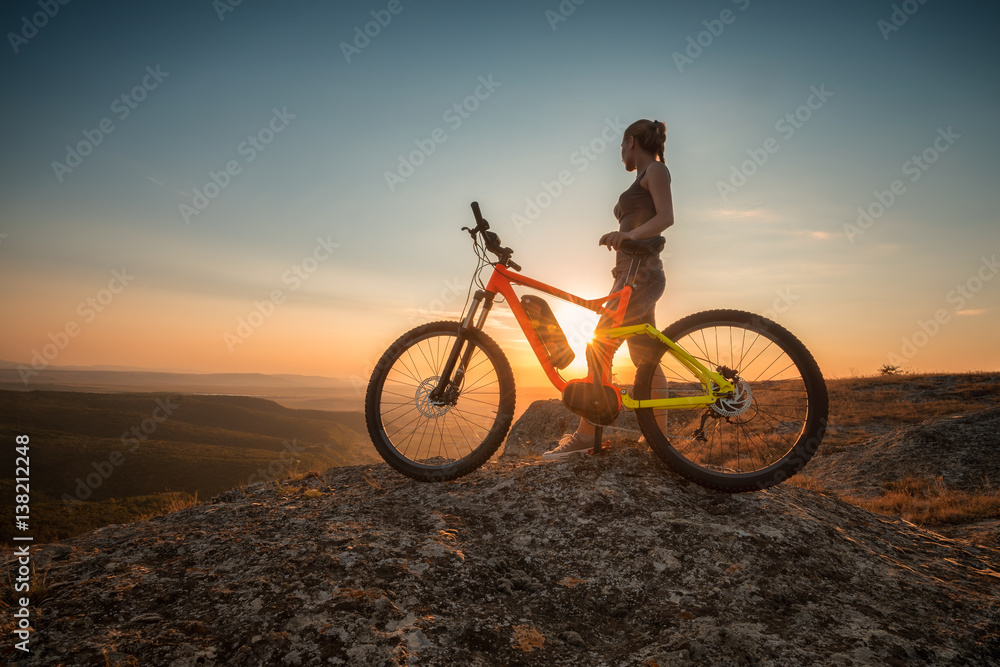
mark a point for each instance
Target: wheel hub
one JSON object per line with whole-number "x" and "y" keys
{"x": 738, "y": 403}
{"x": 425, "y": 405}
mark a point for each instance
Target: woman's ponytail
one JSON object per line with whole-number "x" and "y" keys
{"x": 651, "y": 135}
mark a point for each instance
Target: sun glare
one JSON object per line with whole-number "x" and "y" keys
{"x": 578, "y": 324}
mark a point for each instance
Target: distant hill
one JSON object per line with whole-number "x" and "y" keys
{"x": 96, "y": 455}
{"x": 296, "y": 391}
{"x": 305, "y": 392}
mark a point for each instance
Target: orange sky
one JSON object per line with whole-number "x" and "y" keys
{"x": 155, "y": 328}
{"x": 848, "y": 189}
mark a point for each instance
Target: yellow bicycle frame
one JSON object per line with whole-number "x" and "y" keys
{"x": 715, "y": 385}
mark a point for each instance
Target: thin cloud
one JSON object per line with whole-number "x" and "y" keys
{"x": 758, "y": 213}
{"x": 754, "y": 212}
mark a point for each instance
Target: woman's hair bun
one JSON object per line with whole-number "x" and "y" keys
{"x": 651, "y": 135}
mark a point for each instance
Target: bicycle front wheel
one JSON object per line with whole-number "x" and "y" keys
{"x": 439, "y": 441}
{"x": 757, "y": 438}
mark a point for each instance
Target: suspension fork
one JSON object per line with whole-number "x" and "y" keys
{"x": 448, "y": 385}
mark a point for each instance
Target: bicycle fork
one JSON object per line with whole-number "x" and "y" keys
{"x": 450, "y": 383}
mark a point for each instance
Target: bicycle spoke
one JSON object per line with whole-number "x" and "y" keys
{"x": 771, "y": 424}
{"x": 438, "y": 433}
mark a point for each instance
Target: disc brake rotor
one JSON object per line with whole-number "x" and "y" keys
{"x": 422, "y": 397}
{"x": 739, "y": 403}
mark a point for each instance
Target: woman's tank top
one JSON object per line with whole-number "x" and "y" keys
{"x": 635, "y": 207}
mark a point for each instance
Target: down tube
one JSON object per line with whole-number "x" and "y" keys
{"x": 500, "y": 283}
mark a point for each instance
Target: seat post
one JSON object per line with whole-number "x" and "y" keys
{"x": 598, "y": 436}
{"x": 632, "y": 265}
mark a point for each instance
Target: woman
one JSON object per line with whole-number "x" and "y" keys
{"x": 644, "y": 210}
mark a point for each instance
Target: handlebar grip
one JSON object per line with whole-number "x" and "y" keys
{"x": 479, "y": 215}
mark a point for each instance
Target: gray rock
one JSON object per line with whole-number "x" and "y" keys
{"x": 608, "y": 560}
{"x": 546, "y": 421}
{"x": 963, "y": 450}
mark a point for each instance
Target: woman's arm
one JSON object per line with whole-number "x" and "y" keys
{"x": 658, "y": 183}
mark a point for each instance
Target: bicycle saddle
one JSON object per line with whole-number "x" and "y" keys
{"x": 644, "y": 247}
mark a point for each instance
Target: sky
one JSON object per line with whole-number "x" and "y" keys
{"x": 280, "y": 187}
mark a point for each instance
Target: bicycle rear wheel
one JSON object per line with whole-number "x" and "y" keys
{"x": 439, "y": 441}
{"x": 765, "y": 433}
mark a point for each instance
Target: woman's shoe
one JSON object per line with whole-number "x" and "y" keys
{"x": 570, "y": 444}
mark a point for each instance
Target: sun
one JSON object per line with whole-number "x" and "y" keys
{"x": 578, "y": 324}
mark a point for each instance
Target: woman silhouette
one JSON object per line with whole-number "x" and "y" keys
{"x": 644, "y": 210}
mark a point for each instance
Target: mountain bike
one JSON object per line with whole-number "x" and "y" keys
{"x": 729, "y": 399}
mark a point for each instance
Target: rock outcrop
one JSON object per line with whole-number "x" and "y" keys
{"x": 963, "y": 450}
{"x": 545, "y": 421}
{"x": 598, "y": 560}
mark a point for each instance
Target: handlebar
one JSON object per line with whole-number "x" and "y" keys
{"x": 490, "y": 239}
{"x": 479, "y": 216}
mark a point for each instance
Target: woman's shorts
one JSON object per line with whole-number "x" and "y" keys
{"x": 646, "y": 291}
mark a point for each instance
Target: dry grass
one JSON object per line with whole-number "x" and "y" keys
{"x": 38, "y": 589}
{"x": 803, "y": 481}
{"x": 297, "y": 476}
{"x": 907, "y": 399}
{"x": 177, "y": 501}
{"x": 924, "y": 501}
{"x": 861, "y": 407}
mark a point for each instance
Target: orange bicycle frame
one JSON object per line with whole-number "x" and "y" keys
{"x": 502, "y": 281}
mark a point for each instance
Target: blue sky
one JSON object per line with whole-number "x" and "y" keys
{"x": 780, "y": 242}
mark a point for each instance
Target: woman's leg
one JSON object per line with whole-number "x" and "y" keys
{"x": 641, "y": 348}
{"x": 640, "y": 309}
{"x": 585, "y": 430}
{"x": 659, "y": 390}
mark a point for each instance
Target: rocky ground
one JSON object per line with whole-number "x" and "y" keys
{"x": 604, "y": 560}
{"x": 942, "y": 430}
{"x": 599, "y": 560}
{"x": 962, "y": 450}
